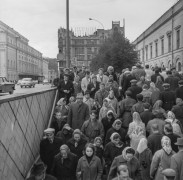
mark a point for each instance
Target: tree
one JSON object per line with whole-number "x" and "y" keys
{"x": 116, "y": 51}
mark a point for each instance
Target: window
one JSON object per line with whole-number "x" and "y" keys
{"x": 146, "y": 52}
{"x": 151, "y": 50}
{"x": 162, "y": 46}
{"x": 143, "y": 54}
{"x": 178, "y": 38}
{"x": 156, "y": 48}
{"x": 169, "y": 43}
{"x": 179, "y": 66}
{"x": 89, "y": 50}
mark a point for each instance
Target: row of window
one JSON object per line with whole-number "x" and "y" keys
{"x": 149, "y": 48}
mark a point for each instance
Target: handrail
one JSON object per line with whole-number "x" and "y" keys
{"x": 49, "y": 123}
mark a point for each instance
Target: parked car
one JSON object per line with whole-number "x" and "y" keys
{"x": 6, "y": 86}
{"x": 45, "y": 81}
{"x": 27, "y": 82}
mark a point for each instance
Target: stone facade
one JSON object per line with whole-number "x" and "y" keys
{"x": 83, "y": 48}
{"x": 162, "y": 43}
{"x": 17, "y": 58}
{"x": 45, "y": 69}
{"x": 22, "y": 122}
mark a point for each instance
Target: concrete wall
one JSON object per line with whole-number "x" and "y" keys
{"x": 22, "y": 121}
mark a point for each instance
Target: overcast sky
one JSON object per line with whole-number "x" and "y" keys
{"x": 39, "y": 20}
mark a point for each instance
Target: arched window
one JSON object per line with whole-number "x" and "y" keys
{"x": 179, "y": 66}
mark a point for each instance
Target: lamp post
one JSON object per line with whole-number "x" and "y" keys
{"x": 67, "y": 37}
{"x": 91, "y": 19}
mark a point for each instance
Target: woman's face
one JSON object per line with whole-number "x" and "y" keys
{"x": 58, "y": 115}
{"x": 93, "y": 116}
{"x": 89, "y": 151}
{"x": 116, "y": 141}
{"x": 118, "y": 126}
{"x": 77, "y": 137}
{"x": 105, "y": 103}
{"x": 111, "y": 94}
{"x": 129, "y": 156}
{"x": 63, "y": 153}
{"x": 98, "y": 143}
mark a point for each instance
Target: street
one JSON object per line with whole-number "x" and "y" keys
{"x": 21, "y": 91}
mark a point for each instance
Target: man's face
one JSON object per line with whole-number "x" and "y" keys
{"x": 111, "y": 77}
{"x": 129, "y": 156}
{"x": 77, "y": 137}
{"x": 58, "y": 115}
{"x": 83, "y": 68}
{"x": 102, "y": 87}
{"x": 41, "y": 176}
{"x": 100, "y": 72}
{"x": 94, "y": 80}
{"x": 66, "y": 78}
{"x": 87, "y": 96}
{"x": 87, "y": 75}
{"x": 50, "y": 136}
{"x": 63, "y": 153}
{"x": 79, "y": 100}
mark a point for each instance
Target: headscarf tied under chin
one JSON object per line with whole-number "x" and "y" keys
{"x": 142, "y": 145}
{"x": 124, "y": 152}
{"x": 171, "y": 115}
{"x": 60, "y": 102}
{"x": 115, "y": 122}
{"x": 136, "y": 118}
{"x": 166, "y": 144}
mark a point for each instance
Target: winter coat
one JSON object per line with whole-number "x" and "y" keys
{"x": 155, "y": 95}
{"x": 154, "y": 142}
{"x": 78, "y": 114}
{"x": 77, "y": 88}
{"x": 160, "y": 161}
{"x": 179, "y": 92}
{"x": 111, "y": 151}
{"x": 126, "y": 82}
{"x": 125, "y": 111}
{"x": 89, "y": 171}
{"x": 65, "y": 170}
{"x": 114, "y": 103}
{"x": 89, "y": 102}
{"x": 173, "y": 138}
{"x": 90, "y": 86}
{"x": 49, "y": 150}
{"x": 154, "y": 77}
{"x": 177, "y": 165}
{"x": 100, "y": 96}
{"x": 168, "y": 99}
{"x": 145, "y": 159}
{"x": 78, "y": 150}
{"x": 173, "y": 81}
{"x": 146, "y": 96}
{"x": 177, "y": 110}
{"x": 133, "y": 167}
{"x": 138, "y": 107}
{"x": 138, "y": 73}
{"x": 62, "y": 86}
{"x": 104, "y": 110}
{"x": 107, "y": 124}
{"x": 84, "y": 83}
{"x": 135, "y": 90}
{"x": 121, "y": 132}
{"x": 92, "y": 130}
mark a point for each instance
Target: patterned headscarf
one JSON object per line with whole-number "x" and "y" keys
{"x": 136, "y": 118}
{"x": 166, "y": 144}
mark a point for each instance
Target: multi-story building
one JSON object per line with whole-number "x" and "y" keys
{"x": 17, "y": 58}
{"x": 162, "y": 43}
{"x": 45, "y": 68}
{"x": 83, "y": 48}
{"x": 52, "y": 74}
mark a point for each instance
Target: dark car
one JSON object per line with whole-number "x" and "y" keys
{"x": 6, "y": 86}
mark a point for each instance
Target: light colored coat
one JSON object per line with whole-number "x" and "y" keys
{"x": 104, "y": 78}
{"x": 177, "y": 164}
{"x": 84, "y": 83}
{"x": 89, "y": 171}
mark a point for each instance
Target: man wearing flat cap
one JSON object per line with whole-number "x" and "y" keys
{"x": 169, "y": 174}
{"x": 179, "y": 90}
{"x": 49, "y": 147}
{"x": 38, "y": 172}
{"x": 167, "y": 97}
{"x": 134, "y": 88}
{"x": 65, "y": 88}
{"x": 177, "y": 160}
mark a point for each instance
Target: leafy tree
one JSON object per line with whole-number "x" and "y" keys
{"x": 116, "y": 51}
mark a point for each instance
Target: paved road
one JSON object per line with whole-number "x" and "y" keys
{"x": 19, "y": 90}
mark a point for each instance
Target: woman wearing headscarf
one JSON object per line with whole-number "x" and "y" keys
{"x": 161, "y": 159}
{"x": 89, "y": 165}
{"x": 175, "y": 123}
{"x": 157, "y": 108}
{"x": 128, "y": 158}
{"x": 116, "y": 127}
{"x": 77, "y": 143}
{"x": 113, "y": 149}
{"x": 65, "y": 134}
{"x": 155, "y": 93}
{"x": 136, "y": 130}
{"x": 144, "y": 155}
{"x": 105, "y": 108}
{"x": 64, "y": 164}
{"x": 62, "y": 107}
{"x": 159, "y": 83}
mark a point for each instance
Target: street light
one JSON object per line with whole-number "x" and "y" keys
{"x": 91, "y": 19}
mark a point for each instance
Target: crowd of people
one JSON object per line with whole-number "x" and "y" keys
{"x": 113, "y": 126}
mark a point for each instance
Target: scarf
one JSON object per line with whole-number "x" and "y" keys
{"x": 166, "y": 144}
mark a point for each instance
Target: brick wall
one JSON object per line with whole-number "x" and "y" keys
{"x": 22, "y": 121}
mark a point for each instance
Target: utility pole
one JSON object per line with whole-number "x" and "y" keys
{"x": 67, "y": 37}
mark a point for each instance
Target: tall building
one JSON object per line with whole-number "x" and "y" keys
{"x": 17, "y": 58}
{"x": 162, "y": 43}
{"x": 83, "y": 48}
{"x": 45, "y": 68}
